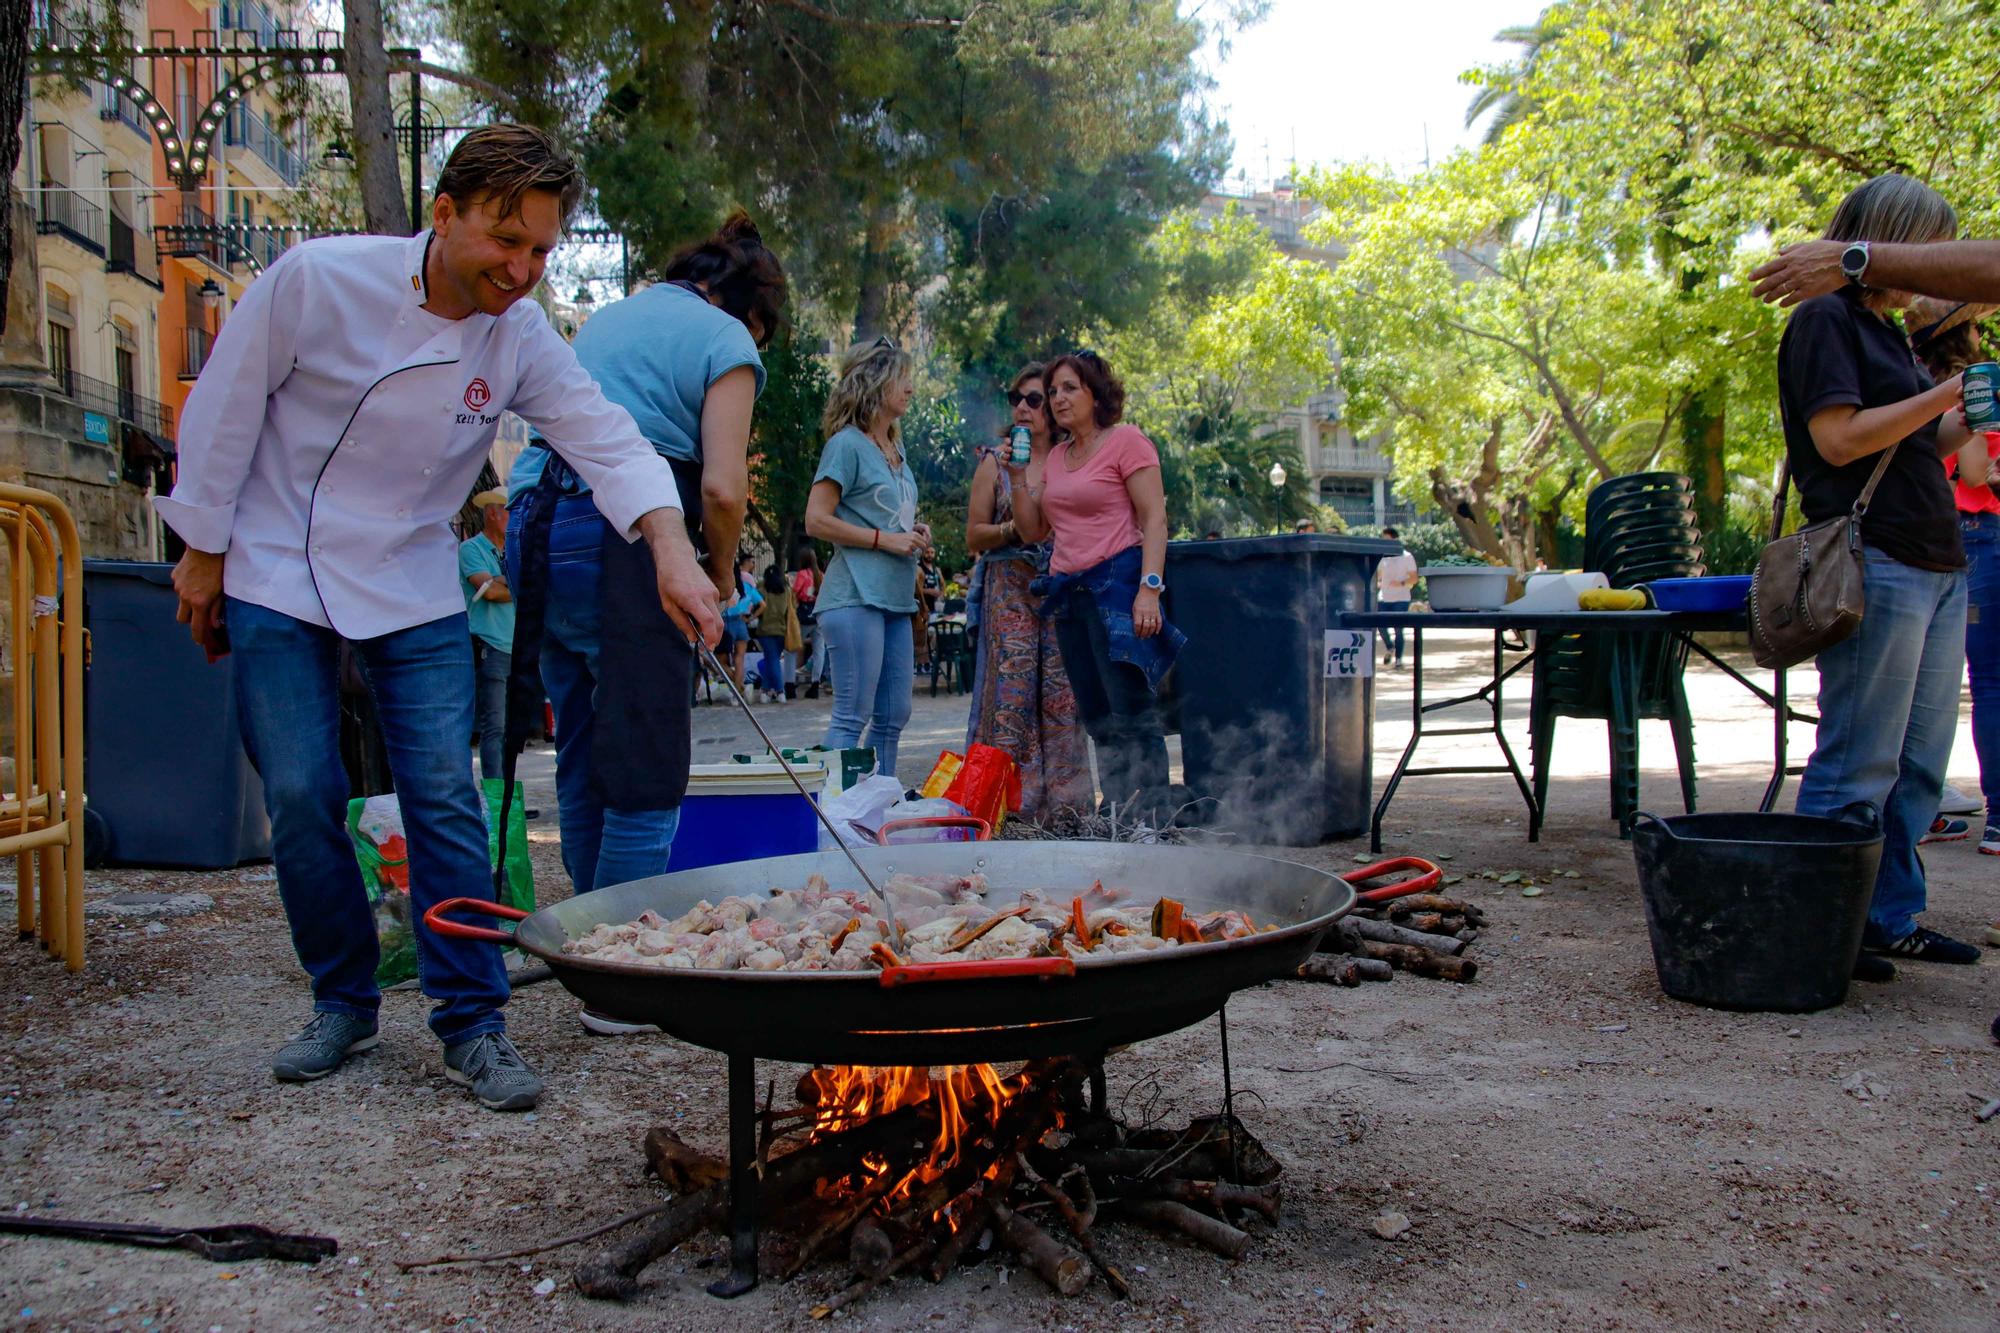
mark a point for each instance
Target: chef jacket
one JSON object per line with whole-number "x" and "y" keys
{"x": 338, "y": 427}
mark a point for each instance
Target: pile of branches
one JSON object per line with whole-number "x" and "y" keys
{"x": 1423, "y": 933}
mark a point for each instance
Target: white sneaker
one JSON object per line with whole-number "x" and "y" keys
{"x": 1956, "y": 802}
{"x": 605, "y": 1026}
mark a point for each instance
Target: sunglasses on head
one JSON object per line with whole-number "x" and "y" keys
{"x": 1033, "y": 398}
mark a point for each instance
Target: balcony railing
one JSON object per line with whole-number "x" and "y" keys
{"x": 113, "y": 105}
{"x": 132, "y": 251}
{"x": 155, "y": 418}
{"x": 64, "y": 212}
{"x": 244, "y": 128}
{"x": 261, "y": 248}
{"x": 1353, "y": 460}
{"x": 193, "y": 235}
{"x": 196, "y": 344}
{"x": 251, "y": 17}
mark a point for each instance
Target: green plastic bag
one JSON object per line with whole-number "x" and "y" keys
{"x": 375, "y": 826}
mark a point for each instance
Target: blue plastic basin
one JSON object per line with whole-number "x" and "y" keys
{"x": 1720, "y": 592}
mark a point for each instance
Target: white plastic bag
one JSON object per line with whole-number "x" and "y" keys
{"x": 860, "y": 810}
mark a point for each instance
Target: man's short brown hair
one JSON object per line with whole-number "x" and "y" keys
{"x": 503, "y": 163}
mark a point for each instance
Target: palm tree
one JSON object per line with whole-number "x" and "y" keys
{"x": 1503, "y": 97}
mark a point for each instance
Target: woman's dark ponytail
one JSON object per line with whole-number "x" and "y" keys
{"x": 739, "y": 272}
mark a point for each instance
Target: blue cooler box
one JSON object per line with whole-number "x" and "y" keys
{"x": 743, "y": 812}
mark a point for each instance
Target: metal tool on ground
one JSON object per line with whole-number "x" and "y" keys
{"x": 888, "y": 908}
{"x": 223, "y": 1244}
{"x": 1425, "y": 879}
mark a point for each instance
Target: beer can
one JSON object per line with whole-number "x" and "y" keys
{"x": 1981, "y": 382}
{"x": 1020, "y": 438}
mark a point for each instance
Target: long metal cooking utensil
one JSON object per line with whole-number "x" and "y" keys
{"x": 888, "y": 908}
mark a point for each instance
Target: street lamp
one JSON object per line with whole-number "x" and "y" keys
{"x": 211, "y": 294}
{"x": 1277, "y": 476}
{"x": 583, "y": 296}
{"x": 336, "y": 157}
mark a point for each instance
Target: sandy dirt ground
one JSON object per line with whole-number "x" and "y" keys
{"x": 1572, "y": 1149}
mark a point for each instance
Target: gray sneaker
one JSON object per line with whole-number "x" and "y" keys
{"x": 323, "y": 1046}
{"x": 495, "y": 1071}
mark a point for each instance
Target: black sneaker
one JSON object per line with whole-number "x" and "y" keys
{"x": 323, "y": 1046}
{"x": 1924, "y": 945}
{"x": 1874, "y": 967}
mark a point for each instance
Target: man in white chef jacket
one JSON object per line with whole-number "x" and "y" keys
{"x": 339, "y": 425}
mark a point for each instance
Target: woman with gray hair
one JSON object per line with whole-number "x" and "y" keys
{"x": 864, "y": 501}
{"x": 1857, "y": 404}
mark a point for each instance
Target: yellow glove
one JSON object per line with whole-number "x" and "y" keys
{"x": 1612, "y": 599}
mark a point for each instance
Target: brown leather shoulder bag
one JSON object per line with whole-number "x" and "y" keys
{"x": 1807, "y": 592}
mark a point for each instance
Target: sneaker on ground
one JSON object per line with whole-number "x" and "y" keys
{"x": 605, "y": 1026}
{"x": 1993, "y": 933}
{"x": 498, "y": 1076}
{"x": 1947, "y": 830}
{"x": 1923, "y": 945}
{"x": 1873, "y": 967}
{"x": 323, "y": 1046}
{"x": 1956, "y": 802}
{"x": 1989, "y": 840}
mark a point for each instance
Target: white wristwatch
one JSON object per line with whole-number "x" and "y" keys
{"x": 1153, "y": 583}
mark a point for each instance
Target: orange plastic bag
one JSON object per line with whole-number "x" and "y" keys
{"x": 988, "y": 784}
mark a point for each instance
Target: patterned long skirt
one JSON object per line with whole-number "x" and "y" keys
{"x": 1021, "y": 701}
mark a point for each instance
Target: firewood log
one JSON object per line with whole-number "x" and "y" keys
{"x": 1213, "y": 1195}
{"x": 614, "y": 1275}
{"x": 1434, "y": 902}
{"x": 1384, "y": 933}
{"x": 680, "y": 1168}
{"x": 1423, "y": 962}
{"x": 1342, "y": 970}
{"x": 1178, "y": 1218}
{"x": 1066, "y": 1271}
{"x": 1114, "y": 1163}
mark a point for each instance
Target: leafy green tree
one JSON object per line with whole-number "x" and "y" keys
{"x": 785, "y": 439}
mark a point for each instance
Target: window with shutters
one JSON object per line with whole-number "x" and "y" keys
{"x": 62, "y": 340}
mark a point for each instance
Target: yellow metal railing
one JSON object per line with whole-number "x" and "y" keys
{"x": 41, "y": 820}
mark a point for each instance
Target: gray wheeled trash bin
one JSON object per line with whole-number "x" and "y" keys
{"x": 1277, "y": 703}
{"x": 165, "y": 778}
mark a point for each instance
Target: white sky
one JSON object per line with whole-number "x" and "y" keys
{"x": 1357, "y": 79}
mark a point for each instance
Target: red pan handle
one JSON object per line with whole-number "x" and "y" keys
{"x": 1426, "y": 878}
{"x": 909, "y": 974}
{"x": 458, "y": 930}
{"x": 983, "y": 828}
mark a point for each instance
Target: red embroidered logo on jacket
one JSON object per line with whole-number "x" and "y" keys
{"x": 477, "y": 395}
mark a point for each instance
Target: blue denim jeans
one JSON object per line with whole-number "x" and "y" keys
{"x": 601, "y": 846}
{"x": 493, "y": 666}
{"x": 1981, "y": 533}
{"x": 1393, "y": 636}
{"x": 874, "y": 669}
{"x": 1888, "y": 709}
{"x": 288, "y": 707}
{"x": 774, "y": 665}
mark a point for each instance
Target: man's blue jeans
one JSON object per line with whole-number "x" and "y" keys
{"x": 874, "y": 671}
{"x": 1981, "y": 533}
{"x": 601, "y": 846}
{"x": 288, "y": 706}
{"x": 492, "y": 664}
{"x": 1888, "y": 709}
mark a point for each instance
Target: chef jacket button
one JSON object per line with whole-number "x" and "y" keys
{"x": 402, "y": 513}
{"x": 427, "y": 472}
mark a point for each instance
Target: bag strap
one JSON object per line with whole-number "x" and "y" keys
{"x": 1860, "y": 501}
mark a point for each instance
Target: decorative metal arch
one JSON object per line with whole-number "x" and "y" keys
{"x": 56, "y": 50}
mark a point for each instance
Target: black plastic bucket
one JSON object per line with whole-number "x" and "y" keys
{"x": 1756, "y": 911}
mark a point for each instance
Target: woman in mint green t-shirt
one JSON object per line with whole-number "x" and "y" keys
{"x": 864, "y": 501}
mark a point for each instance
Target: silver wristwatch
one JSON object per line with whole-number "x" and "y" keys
{"x": 1854, "y": 261}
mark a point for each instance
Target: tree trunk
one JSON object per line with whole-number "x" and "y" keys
{"x": 376, "y": 156}
{"x": 14, "y": 22}
{"x": 1702, "y": 439}
{"x": 871, "y": 306}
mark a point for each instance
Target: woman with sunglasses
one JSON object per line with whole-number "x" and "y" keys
{"x": 864, "y": 501}
{"x": 1022, "y": 702}
{"x": 1103, "y": 500}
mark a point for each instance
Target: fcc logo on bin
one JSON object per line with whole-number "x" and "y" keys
{"x": 477, "y": 395}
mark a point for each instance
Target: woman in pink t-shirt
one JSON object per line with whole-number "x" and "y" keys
{"x": 1103, "y": 500}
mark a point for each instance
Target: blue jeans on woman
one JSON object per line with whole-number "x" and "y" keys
{"x": 601, "y": 845}
{"x": 288, "y": 708}
{"x": 773, "y": 665}
{"x": 1981, "y": 534}
{"x": 874, "y": 672}
{"x": 1888, "y": 710}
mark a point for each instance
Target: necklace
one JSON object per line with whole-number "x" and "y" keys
{"x": 1076, "y": 460}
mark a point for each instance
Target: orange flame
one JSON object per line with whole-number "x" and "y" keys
{"x": 968, "y": 1100}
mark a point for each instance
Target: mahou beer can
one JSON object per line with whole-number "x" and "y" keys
{"x": 1981, "y": 382}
